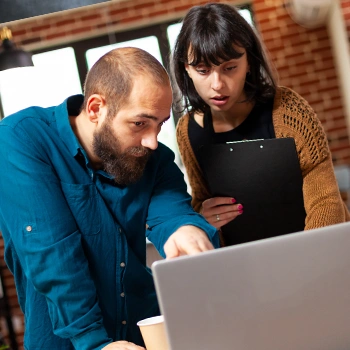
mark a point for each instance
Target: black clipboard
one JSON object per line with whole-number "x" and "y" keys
{"x": 265, "y": 176}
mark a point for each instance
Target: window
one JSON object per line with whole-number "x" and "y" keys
{"x": 53, "y": 78}
{"x": 149, "y": 44}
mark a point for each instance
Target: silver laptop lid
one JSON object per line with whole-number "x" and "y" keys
{"x": 290, "y": 292}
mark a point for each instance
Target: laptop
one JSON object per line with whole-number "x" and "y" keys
{"x": 264, "y": 175}
{"x": 290, "y": 292}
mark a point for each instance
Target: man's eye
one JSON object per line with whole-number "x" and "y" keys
{"x": 139, "y": 123}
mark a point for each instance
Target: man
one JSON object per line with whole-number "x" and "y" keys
{"x": 80, "y": 184}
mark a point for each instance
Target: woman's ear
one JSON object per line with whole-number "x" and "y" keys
{"x": 188, "y": 70}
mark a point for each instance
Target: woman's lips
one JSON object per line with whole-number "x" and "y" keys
{"x": 219, "y": 100}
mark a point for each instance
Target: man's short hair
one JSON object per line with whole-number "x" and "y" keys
{"x": 112, "y": 76}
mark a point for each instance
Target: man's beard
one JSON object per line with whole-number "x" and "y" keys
{"x": 125, "y": 167}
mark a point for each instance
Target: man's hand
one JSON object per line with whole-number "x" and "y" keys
{"x": 187, "y": 240}
{"x": 122, "y": 345}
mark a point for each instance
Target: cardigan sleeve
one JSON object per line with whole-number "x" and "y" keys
{"x": 322, "y": 199}
{"x": 295, "y": 118}
{"x": 199, "y": 190}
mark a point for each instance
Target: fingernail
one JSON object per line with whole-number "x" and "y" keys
{"x": 233, "y": 200}
{"x": 239, "y": 206}
{"x": 240, "y": 211}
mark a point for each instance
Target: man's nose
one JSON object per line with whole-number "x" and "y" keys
{"x": 150, "y": 141}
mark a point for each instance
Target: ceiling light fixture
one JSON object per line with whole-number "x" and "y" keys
{"x": 10, "y": 55}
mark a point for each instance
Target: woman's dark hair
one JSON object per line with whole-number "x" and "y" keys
{"x": 211, "y": 32}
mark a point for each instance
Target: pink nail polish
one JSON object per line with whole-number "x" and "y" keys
{"x": 233, "y": 200}
{"x": 240, "y": 207}
{"x": 240, "y": 211}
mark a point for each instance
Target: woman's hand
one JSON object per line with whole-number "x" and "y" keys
{"x": 122, "y": 345}
{"x": 218, "y": 211}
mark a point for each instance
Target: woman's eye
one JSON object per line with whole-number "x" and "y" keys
{"x": 231, "y": 68}
{"x": 202, "y": 71}
{"x": 139, "y": 123}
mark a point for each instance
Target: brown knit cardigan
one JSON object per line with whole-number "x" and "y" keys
{"x": 292, "y": 117}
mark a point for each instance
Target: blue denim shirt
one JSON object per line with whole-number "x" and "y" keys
{"x": 74, "y": 239}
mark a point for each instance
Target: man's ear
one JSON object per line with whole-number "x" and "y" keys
{"x": 94, "y": 107}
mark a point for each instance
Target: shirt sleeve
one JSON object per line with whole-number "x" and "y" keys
{"x": 170, "y": 206}
{"x": 44, "y": 234}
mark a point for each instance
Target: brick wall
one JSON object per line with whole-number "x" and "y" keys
{"x": 346, "y": 11}
{"x": 302, "y": 57}
{"x": 304, "y": 60}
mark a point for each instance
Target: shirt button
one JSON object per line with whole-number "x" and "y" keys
{"x": 29, "y": 228}
{"x": 120, "y": 230}
{"x": 122, "y": 264}
{"x": 123, "y": 322}
{"x": 122, "y": 295}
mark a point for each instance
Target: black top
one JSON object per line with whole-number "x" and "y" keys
{"x": 258, "y": 125}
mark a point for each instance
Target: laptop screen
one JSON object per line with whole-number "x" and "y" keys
{"x": 283, "y": 293}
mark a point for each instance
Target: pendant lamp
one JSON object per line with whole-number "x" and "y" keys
{"x": 10, "y": 55}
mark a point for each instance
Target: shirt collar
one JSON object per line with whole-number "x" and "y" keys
{"x": 71, "y": 106}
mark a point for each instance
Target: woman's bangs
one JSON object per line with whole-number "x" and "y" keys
{"x": 212, "y": 52}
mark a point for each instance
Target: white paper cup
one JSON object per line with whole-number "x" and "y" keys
{"x": 153, "y": 333}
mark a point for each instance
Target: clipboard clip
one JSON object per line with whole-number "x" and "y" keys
{"x": 242, "y": 141}
{"x": 245, "y": 141}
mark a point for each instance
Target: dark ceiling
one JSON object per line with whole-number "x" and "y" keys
{"x": 12, "y": 10}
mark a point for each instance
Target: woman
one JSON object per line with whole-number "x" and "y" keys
{"x": 230, "y": 94}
